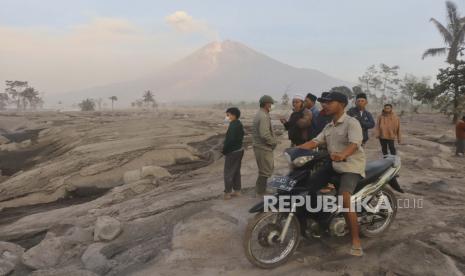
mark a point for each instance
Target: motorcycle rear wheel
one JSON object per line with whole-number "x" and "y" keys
{"x": 373, "y": 230}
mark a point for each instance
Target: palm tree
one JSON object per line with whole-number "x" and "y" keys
{"x": 452, "y": 33}
{"x": 113, "y": 99}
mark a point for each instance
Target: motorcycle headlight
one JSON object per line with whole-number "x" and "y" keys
{"x": 300, "y": 161}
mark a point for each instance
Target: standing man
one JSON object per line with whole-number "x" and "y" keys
{"x": 299, "y": 123}
{"x": 460, "y": 134}
{"x": 264, "y": 142}
{"x": 343, "y": 138}
{"x": 233, "y": 153}
{"x": 388, "y": 130}
{"x": 322, "y": 119}
{"x": 310, "y": 105}
{"x": 360, "y": 113}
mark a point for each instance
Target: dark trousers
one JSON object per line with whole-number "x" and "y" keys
{"x": 232, "y": 171}
{"x": 460, "y": 146}
{"x": 385, "y": 144}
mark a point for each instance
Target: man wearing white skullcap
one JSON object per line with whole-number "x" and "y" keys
{"x": 299, "y": 122}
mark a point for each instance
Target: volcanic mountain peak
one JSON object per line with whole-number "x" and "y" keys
{"x": 226, "y": 70}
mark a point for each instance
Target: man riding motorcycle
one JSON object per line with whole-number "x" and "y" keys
{"x": 343, "y": 138}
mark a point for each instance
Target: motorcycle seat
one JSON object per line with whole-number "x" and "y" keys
{"x": 373, "y": 170}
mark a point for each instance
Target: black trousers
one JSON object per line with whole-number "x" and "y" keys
{"x": 385, "y": 144}
{"x": 232, "y": 171}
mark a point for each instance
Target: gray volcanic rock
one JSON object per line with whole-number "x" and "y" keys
{"x": 106, "y": 228}
{"x": 94, "y": 260}
{"x": 46, "y": 254}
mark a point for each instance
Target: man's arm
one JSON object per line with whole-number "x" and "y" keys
{"x": 319, "y": 140}
{"x": 309, "y": 145}
{"x": 264, "y": 130}
{"x": 227, "y": 140}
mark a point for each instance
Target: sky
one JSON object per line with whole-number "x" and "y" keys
{"x": 64, "y": 45}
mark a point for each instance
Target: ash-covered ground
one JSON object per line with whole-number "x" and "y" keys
{"x": 140, "y": 193}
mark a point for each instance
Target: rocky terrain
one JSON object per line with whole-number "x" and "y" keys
{"x": 139, "y": 193}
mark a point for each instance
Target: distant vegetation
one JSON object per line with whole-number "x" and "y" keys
{"x": 87, "y": 105}
{"x": 147, "y": 101}
{"x": 21, "y": 95}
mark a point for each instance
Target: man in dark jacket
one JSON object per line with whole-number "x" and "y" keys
{"x": 360, "y": 113}
{"x": 322, "y": 119}
{"x": 233, "y": 153}
{"x": 298, "y": 125}
{"x": 310, "y": 106}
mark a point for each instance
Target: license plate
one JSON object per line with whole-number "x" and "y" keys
{"x": 282, "y": 183}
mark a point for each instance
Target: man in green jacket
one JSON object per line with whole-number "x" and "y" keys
{"x": 233, "y": 153}
{"x": 264, "y": 142}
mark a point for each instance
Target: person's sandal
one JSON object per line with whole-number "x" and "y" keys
{"x": 227, "y": 196}
{"x": 236, "y": 193}
{"x": 358, "y": 252}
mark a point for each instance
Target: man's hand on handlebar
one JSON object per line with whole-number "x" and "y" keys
{"x": 338, "y": 157}
{"x": 309, "y": 145}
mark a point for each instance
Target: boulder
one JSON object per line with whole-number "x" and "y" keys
{"x": 3, "y": 140}
{"x": 132, "y": 176}
{"x": 11, "y": 252}
{"x": 94, "y": 260}
{"x": 10, "y": 256}
{"x": 77, "y": 235}
{"x": 154, "y": 171}
{"x": 46, "y": 254}
{"x": 6, "y": 267}
{"x": 106, "y": 228}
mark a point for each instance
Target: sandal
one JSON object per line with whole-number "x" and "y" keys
{"x": 358, "y": 252}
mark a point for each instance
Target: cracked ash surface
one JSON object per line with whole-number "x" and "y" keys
{"x": 62, "y": 171}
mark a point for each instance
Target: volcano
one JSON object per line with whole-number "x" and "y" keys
{"x": 219, "y": 71}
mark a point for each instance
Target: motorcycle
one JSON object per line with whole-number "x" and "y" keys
{"x": 271, "y": 238}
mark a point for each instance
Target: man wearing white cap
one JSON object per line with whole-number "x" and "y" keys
{"x": 299, "y": 122}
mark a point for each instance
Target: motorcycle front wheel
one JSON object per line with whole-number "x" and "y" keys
{"x": 262, "y": 245}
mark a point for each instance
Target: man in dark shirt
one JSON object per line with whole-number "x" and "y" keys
{"x": 360, "y": 113}
{"x": 233, "y": 153}
{"x": 298, "y": 125}
{"x": 322, "y": 119}
{"x": 310, "y": 106}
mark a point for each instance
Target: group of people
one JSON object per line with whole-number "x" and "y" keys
{"x": 343, "y": 134}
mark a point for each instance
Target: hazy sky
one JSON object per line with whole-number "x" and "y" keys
{"x": 63, "y": 45}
